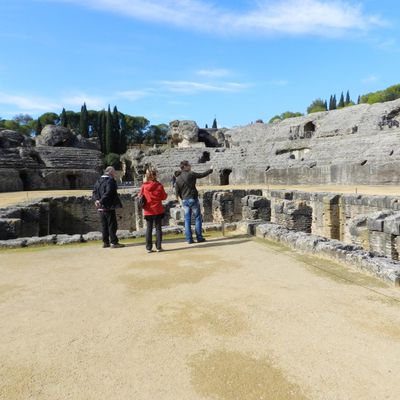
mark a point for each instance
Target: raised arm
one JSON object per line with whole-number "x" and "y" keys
{"x": 199, "y": 175}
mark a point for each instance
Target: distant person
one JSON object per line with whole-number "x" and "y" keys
{"x": 174, "y": 176}
{"x": 185, "y": 189}
{"x": 154, "y": 193}
{"x": 107, "y": 201}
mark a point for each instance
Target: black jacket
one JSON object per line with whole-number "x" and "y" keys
{"x": 185, "y": 186}
{"x": 105, "y": 190}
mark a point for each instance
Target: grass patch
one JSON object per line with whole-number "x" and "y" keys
{"x": 141, "y": 240}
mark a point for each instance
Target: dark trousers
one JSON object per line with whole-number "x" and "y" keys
{"x": 109, "y": 226}
{"x": 156, "y": 221}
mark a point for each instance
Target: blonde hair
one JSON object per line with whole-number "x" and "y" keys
{"x": 151, "y": 175}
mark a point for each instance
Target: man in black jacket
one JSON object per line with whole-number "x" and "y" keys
{"x": 107, "y": 201}
{"x": 185, "y": 189}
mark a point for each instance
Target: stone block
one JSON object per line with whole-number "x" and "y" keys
{"x": 392, "y": 225}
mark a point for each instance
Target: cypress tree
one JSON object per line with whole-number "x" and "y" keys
{"x": 83, "y": 122}
{"x": 359, "y": 99}
{"x": 330, "y": 102}
{"x": 326, "y": 105}
{"x": 109, "y": 132}
{"x": 348, "y": 100}
{"x": 215, "y": 125}
{"x": 206, "y": 126}
{"x": 64, "y": 118}
{"x": 334, "y": 103}
{"x": 101, "y": 129}
{"x": 123, "y": 136}
{"x": 116, "y": 131}
{"x": 341, "y": 101}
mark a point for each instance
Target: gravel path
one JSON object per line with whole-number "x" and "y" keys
{"x": 231, "y": 319}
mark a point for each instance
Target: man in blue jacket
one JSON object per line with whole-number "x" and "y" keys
{"x": 107, "y": 201}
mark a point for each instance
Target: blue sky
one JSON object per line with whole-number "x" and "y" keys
{"x": 193, "y": 59}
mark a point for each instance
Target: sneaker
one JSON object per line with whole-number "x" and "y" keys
{"x": 117, "y": 246}
{"x": 190, "y": 241}
{"x": 105, "y": 245}
{"x": 202, "y": 240}
{"x": 160, "y": 250}
{"x": 149, "y": 251}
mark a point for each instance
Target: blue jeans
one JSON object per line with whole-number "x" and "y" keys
{"x": 192, "y": 207}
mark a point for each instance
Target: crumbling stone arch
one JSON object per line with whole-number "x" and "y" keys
{"x": 309, "y": 130}
{"x": 224, "y": 176}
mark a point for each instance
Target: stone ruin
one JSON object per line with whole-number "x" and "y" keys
{"x": 362, "y": 231}
{"x": 355, "y": 145}
{"x": 56, "y": 159}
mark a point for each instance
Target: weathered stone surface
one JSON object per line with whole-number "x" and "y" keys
{"x": 55, "y": 136}
{"x": 48, "y": 166}
{"x": 392, "y": 224}
{"x": 69, "y": 239}
{"x": 354, "y": 256}
{"x": 299, "y": 150}
{"x": 9, "y": 138}
{"x": 376, "y": 220}
{"x": 183, "y": 133}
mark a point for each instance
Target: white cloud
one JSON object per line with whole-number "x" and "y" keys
{"x": 30, "y": 103}
{"x": 214, "y": 73}
{"x": 297, "y": 17}
{"x": 196, "y": 87}
{"x": 78, "y": 99}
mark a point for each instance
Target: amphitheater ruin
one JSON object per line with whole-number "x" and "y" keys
{"x": 255, "y": 167}
{"x": 294, "y": 296}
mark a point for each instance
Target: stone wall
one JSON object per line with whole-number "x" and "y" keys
{"x": 63, "y": 215}
{"x": 60, "y": 160}
{"x": 372, "y": 222}
{"x": 355, "y": 145}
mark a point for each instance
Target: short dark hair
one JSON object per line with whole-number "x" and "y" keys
{"x": 184, "y": 164}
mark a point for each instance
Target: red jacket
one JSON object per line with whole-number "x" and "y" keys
{"x": 154, "y": 193}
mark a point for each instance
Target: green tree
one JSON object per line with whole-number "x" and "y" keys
{"x": 113, "y": 159}
{"x": 123, "y": 135}
{"x": 347, "y": 101}
{"x": 73, "y": 120}
{"x": 388, "y": 94}
{"x": 359, "y": 99}
{"x": 285, "y": 115}
{"x": 63, "y": 118}
{"x": 103, "y": 130}
{"x": 49, "y": 118}
{"x": 206, "y": 126}
{"x": 39, "y": 127}
{"x": 316, "y": 106}
{"x": 109, "y": 132}
{"x": 215, "y": 125}
{"x": 341, "y": 101}
{"x": 83, "y": 122}
{"x": 116, "y": 130}
{"x": 334, "y": 102}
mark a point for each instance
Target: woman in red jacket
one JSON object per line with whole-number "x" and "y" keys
{"x": 154, "y": 193}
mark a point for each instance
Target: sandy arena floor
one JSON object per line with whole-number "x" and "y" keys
{"x": 231, "y": 319}
{"x": 10, "y": 198}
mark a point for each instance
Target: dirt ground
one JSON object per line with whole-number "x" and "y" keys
{"x": 10, "y": 198}
{"x": 230, "y": 319}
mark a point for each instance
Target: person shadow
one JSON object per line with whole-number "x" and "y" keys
{"x": 210, "y": 243}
